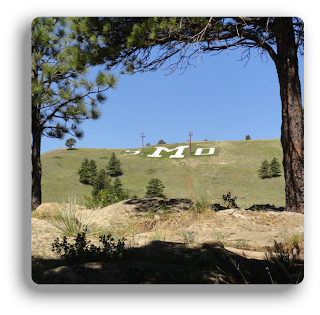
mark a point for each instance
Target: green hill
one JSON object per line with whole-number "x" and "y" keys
{"x": 233, "y": 167}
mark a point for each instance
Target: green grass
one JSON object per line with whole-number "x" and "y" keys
{"x": 232, "y": 168}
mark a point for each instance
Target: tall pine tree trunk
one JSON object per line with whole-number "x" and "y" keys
{"x": 36, "y": 161}
{"x": 36, "y": 143}
{"x": 292, "y": 130}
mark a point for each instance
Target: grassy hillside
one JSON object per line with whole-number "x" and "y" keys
{"x": 233, "y": 168}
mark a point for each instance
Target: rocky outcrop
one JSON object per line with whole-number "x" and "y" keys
{"x": 157, "y": 203}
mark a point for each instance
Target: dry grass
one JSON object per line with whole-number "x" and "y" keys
{"x": 68, "y": 219}
{"x": 233, "y": 168}
{"x": 162, "y": 220}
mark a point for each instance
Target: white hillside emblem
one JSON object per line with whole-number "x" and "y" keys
{"x": 177, "y": 155}
{"x": 199, "y": 151}
{"x": 132, "y": 152}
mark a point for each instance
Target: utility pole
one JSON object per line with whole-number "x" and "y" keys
{"x": 190, "y": 133}
{"x": 142, "y": 135}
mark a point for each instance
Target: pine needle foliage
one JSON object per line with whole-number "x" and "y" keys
{"x": 60, "y": 91}
{"x": 62, "y": 96}
{"x": 155, "y": 188}
{"x": 114, "y": 166}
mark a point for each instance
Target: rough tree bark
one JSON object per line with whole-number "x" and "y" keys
{"x": 292, "y": 131}
{"x": 36, "y": 161}
{"x": 36, "y": 171}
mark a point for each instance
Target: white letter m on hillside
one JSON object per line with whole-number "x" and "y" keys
{"x": 178, "y": 154}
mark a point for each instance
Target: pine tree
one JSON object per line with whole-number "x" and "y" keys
{"x": 87, "y": 171}
{"x": 92, "y": 171}
{"x": 84, "y": 172}
{"x": 117, "y": 188}
{"x": 100, "y": 182}
{"x": 60, "y": 92}
{"x": 275, "y": 168}
{"x": 114, "y": 166}
{"x": 264, "y": 171}
{"x": 155, "y": 188}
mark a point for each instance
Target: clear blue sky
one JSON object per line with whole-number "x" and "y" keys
{"x": 220, "y": 99}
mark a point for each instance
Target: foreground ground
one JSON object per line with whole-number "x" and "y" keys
{"x": 169, "y": 243}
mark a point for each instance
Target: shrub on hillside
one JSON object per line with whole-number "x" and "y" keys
{"x": 80, "y": 251}
{"x": 161, "y": 142}
{"x": 108, "y": 196}
{"x": 229, "y": 201}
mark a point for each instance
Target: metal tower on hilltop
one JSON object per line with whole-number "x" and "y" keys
{"x": 190, "y": 133}
{"x": 142, "y": 135}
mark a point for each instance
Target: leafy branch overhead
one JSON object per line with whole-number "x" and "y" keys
{"x": 61, "y": 93}
{"x": 62, "y": 96}
{"x": 130, "y": 41}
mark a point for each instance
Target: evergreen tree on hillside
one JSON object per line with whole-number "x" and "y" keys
{"x": 114, "y": 166}
{"x": 92, "y": 171}
{"x": 87, "y": 171}
{"x": 100, "y": 182}
{"x": 84, "y": 172}
{"x": 117, "y": 188}
{"x": 275, "y": 168}
{"x": 264, "y": 170}
{"x": 155, "y": 188}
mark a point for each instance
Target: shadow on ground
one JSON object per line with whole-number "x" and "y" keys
{"x": 154, "y": 203}
{"x": 169, "y": 263}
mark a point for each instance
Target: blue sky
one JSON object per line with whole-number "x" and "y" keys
{"x": 222, "y": 98}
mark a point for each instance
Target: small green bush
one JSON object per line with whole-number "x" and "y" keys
{"x": 188, "y": 236}
{"x": 80, "y": 251}
{"x": 229, "y": 201}
{"x": 200, "y": 205}
{"x": 107, "y": 197}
